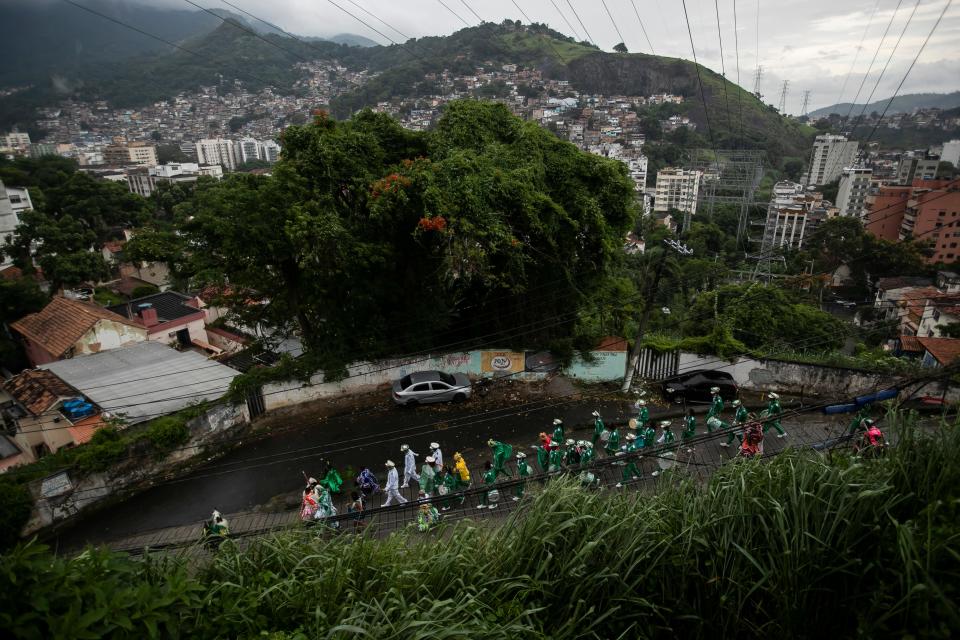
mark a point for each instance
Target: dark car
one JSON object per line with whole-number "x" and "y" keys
{"x": 694, "y": 386}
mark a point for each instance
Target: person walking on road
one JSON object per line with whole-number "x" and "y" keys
{"x": 774, "y": 411}
{"x": 501, "y": 453}
{"x": 367, "y": 482}
{"x": 356, "y": 507}
{"x": 409, "y": 466}
{"x": 392, "y": 488}
{"x": 740, "y": 418}
{"x": 437, "y": 457}
{"x": 571, "y": 457}
{"x": 427, "y": 515}
{"x": 666, "y": 458}
{"x": 489, "y": 498}
{"x": 631, "y": 471}
{"x": 643, "y": 414}
{"x": 598, "y": 428}
{"x": 557, "y": 430}
{"x": 428, "y": 477}
{"x": 612, "y": 441}
{"x": 689, "y": 428}
{"x": 461, "y": 471}
{"x": 523, "y": 471}
{"x": 447, "y": 487}
{"x": 716, "y": 408}
{"x": 308, "y": 505}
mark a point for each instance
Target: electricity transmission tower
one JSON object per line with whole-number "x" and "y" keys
{"x": 756, "y": 81}
{"x": 783, "y": 96}
{"x": 806, "y": 102}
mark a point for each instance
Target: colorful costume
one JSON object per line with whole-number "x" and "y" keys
{"x": 489, "y": 497}
{"x": 857, "y": 423}
{"x": 716, "y": 407}
{"x": 643, "y": 414}
{"x": 308, "y": 506}
{"x": 612, "y": 445}
{"x": 325, "y": 508}
{"x": 666, "y": 459}
{"x": 774, "y": 411}
{"x": 689, "y": 427}
{"x": 598, "y": 427}
{"x": 437, "y": 457}
{"x": 501, "y": 453}
{"x": 427, "y": 517}
{"x": 557, "y": 430}
{"x": 461, "y": 472}
{"x": 752, "y": 444}
{"x": 367, "y": 482}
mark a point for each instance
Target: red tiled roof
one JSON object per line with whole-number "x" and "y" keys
{"x": 82, "y": 431}
{"x": 114, "y": 246}
{"x": 60, "y": 324}
{"x": 11, "y": 273}
{"x": 945, "y": 350}
{"x": 38, "y": 390}
{"x": 910, "y": 343}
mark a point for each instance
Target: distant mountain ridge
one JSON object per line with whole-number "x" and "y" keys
{"x": 901, "y": 104}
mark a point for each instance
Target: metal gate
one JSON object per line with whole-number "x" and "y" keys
{"x": 255, "y": 403}
{"x": 656, "y": 365}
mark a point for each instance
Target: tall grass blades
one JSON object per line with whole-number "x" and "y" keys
{"x": 803, "y": 545}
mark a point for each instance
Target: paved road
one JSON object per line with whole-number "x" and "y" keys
{"x": 705, "y": 457}
{"x": 247, "y": 477}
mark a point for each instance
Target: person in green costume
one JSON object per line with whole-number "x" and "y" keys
{"x": 643, "y": 414}
{"x": 448, "y": 486}
{"x": 631, "y": 471}
{"x": 689, "y": 428}
{"x": 586, "y": 452}
{"x": 488, "y": 499}
{"x": 612, "y": 445}
{"x": 647, "y": 436}
{"x": 667, "y": 458}
{"x": 857, "y": 423}
{"x": 428, "y": 477}
{"x": 523, "y": 471}
{"x": 556, "y": 459}
{"x": 774, "y": 411}
{"x": 739, "y": 419}
{"x": 598, "y": 427}
{"x": 571, "y": 457}
{"x": 543, "y": 452}
{"x": 501, "y": 453}
{"x": 716, "y": 408}
{"x": 557, "y": 430}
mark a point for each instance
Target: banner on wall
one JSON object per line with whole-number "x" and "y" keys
{"x": 501, "y": 362}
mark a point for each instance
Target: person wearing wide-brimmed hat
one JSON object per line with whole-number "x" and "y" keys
{"x": 544, "y": 449}
{"x": 611, "y": 443}
{"x": 501, "y": 453}
{"x": 428, "y": 477}
{"x": 523, "y": 471}
{"x": 409, "y": 466}
{"x": 437, "y": 457}
{"x": 740, "y": 418}
{"x": 643, "y": 414}
{"x": 488, "y": 499}
{"x": 557, "y": 430}
{"x": 631, "y": 471}
{"x": 572, "y": 453}
{"x": 716, "y": 408}
{"x": 774, "y": 411}
{"x": 392, "y": 488}
{"x": 666, "y": 459}
{"x": 598, "y": 428}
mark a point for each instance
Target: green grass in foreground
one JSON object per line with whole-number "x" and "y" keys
{"x": 801, "y": 546}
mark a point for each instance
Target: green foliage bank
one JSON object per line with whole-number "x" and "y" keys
{"x": 801, "y": 546}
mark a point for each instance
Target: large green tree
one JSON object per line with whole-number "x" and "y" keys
{"x": 368, "y": 239}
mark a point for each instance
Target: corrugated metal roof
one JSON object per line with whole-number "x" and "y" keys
{"x": 145, "y": 380}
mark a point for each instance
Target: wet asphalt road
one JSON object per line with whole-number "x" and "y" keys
{"x": 254, "y": 473}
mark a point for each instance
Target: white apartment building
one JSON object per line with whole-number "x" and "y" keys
{"x": 270, "y": 151}
{"x": 677, "y": 189}
{"x": 16, "y": 139}
{"x": 638, "y": 172}
{"x": 249, "y": 149}
{"x": 951, "y": 152}
{"x": 792, "y": 215}
{"x": 12, "y": 202}
{"x": 144, "y": 181}
{"x": 831, "y": 153}
{"x": 219, "y": 151}
{"x": 852, "y": 194}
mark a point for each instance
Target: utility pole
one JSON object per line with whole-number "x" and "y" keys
{"x": 648, "y": 305}
{"x": 806, "y": 102}
{"x": 783, "y": 96}
{"x": 756, "y": 81}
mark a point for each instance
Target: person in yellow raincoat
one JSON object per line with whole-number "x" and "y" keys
{"x": 461, "y": 471}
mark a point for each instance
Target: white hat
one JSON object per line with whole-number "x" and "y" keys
{"x": 772, "y": 395}
{"x": 714, "y": 389}
{"x": 557, "y": 421}
{"x": 389, "y": 463}
{"x": 570, "y": 442}
{"x": 404, "y": 447}
{"x": 430, "y": 459}
{"x": 216, "y": 514}
{"x": 664, "y": 423}
{"x": 521, "y": 455}
{"x": 587, "y": 444}
{"x": 434, "y": 445}
{"x": 641, "y": 402}
{"x": 596, "y": 413}
{"x": 312, "y": 481}
{"x": 736, "y": 403}
{"x": 580, "y": 443}
{"x": 631, "y": 436}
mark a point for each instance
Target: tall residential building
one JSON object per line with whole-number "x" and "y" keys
{"x": 884, "y": 212}
{"x": 637, "y": 167}
{"x": 792, "y": 215}
{"x": 270, "y": 151}
{"x": 249, "y": 149}
{"x": 916, "y": 168}
{"x": 951, "y": 152}
{"x": 677, "y": 189}
{"x": 219, "y": 151}
{"x": 852, "y": 194}
{"x": 932, "y": 213}
{"x": 831, "y": 153}
{"x": 140, "y": 153}
{"x": 12, "y": 202}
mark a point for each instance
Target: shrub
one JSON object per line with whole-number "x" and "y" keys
{"x": 168, "y": 432}
{"x": 15, "y": 505}
{"x": 106, "y": 447}
{"x": 144, "y": 290}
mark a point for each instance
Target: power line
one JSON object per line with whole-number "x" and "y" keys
{"x": 642, "y": 28}
{"x": 548, "y": 38}
{"x": 470, "y": 9}
{"x": 378, "y": 19}
{"x": 582, "y": 26}
{"x": 723, "y": 66}
{"x": 569, "y": 25}
{"x": 857, "y": 54}
{"x": 703, "y": 97}
{"x": 736, "y": 48}
{"x": 252, "y": 32}
{"x": 613, "y": 22}
{"x": 375, "y": 30}
{"x": 458, "y": 16}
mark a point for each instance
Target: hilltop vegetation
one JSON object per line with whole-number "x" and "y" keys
{"x": 803, "y": 546}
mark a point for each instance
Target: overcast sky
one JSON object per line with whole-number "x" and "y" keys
{"x": 811, "y": 43}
